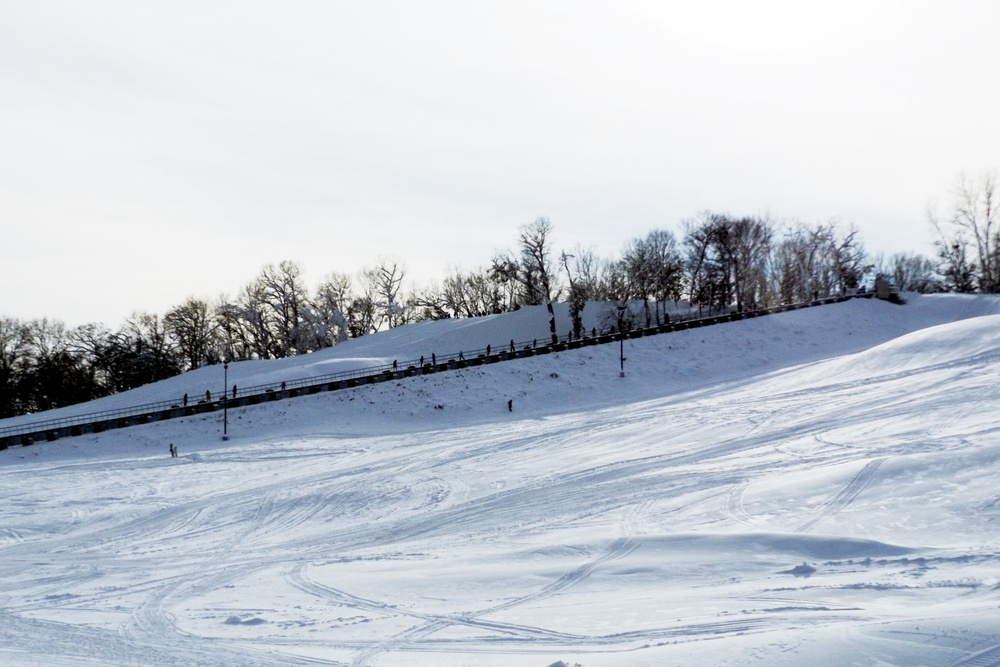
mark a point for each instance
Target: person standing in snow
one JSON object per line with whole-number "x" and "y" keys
{"x": 510, "y": 405}
{"x": 208, "y": 396}
{"x": 234, "y": 391}
{"x": 185, "y": 400}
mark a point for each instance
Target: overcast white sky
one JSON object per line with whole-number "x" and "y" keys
{"x": 151, "y": 152}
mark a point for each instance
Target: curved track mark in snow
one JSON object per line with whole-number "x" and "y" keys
{"x": 434, "y": 622}
{"x": 9, "y": 535}
{"x": 734, "y": 503}
{"x": 988, "y": 658}
{"x": 429, "y": 623}
{"x": 621, "y": 547}
{"x": 846, "y": 495}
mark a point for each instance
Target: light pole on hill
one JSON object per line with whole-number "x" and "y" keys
{"x": 621, "y": 337}
{"x": 225, "y": 400}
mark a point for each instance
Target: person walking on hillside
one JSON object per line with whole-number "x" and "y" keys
{"x": 510, "y": 405}
{"x": 487, "y": 349}
{"x": 173, "y": 451}
{"x": 512, "y": 345}
{"x": 234, "y": 391}
{"x": 208, "y": 396}
{"x": 185, "y": 400}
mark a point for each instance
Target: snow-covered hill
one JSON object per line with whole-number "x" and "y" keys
{"x": 816, "y": 487}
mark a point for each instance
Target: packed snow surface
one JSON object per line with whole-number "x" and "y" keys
{"x": 819, "y": 487}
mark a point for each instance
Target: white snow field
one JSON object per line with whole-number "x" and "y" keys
{"x": 819, "y": 487}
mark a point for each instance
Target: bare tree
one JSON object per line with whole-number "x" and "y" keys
{"x": 703, "y": 276}
{"x": 152, "y": 356}
{"x": 910, "y": 272}
{"x": 668, "y": 268}
{"x": 388, "y": 277}
{"x": 796, "y": 271}
{"x": 475, "y": 293}
{"x": 578, "y": 295}
{"x": 283, "y": 292}
{"x": 818, "y": 261}
{"x": 189, "y": 326}
{"x": 428, "y": 303}
{"x": 849, "y": 258}
{"x": 531, "y": 269}
{"x": 974, "y": 221}
{"x": 97, "y": 344}
{"x": 364, "y": 315}
{"x": 14, "y": 357}
{"x": 255, "y": 315}
{"x": 326, "y": 318}
{"x": 655, "y": 270}
{"x": 233, "y": 339}
{"x": 727, "y": 260}
{"x": 747, "y": 247}
{"x": 960, "y": 273}
{"x": 53, "y": 368}
{"x": 637, "y": 264}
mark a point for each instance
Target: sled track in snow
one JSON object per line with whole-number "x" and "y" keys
{"x": 846, "y": 495}
{"x": 988, "y": 658}
{"x": 427, "y": 624}
{"x": 54, "y": 429}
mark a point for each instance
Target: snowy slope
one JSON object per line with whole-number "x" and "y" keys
{"x": 816, "y": 487}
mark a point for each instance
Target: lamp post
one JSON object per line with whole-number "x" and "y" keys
{"x": 621, "y": 337}
{"x": 225, "y": 400}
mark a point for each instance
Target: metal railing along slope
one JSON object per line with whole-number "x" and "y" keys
{"x": 95, "y": 422}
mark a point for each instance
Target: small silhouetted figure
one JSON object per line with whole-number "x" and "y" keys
{"x": 534, "y": 343}
{"x": 434, "y": 359}
{"x": 421, "y": 360}
{"x": 510, "y": 405}
{"x": 593, "y": 332}
{"x": 173, "y": 451}
{"x": 185, "y": 400}
{"x": 395, "y": 364}
{"x": 283, "y": 386}
{"x": 511, "y": 344}
{"x": 487, "y": 349}
{"x": 461, "y": 357}
{"x": 234, "y": 391}
{"x": 208, "y": 396}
